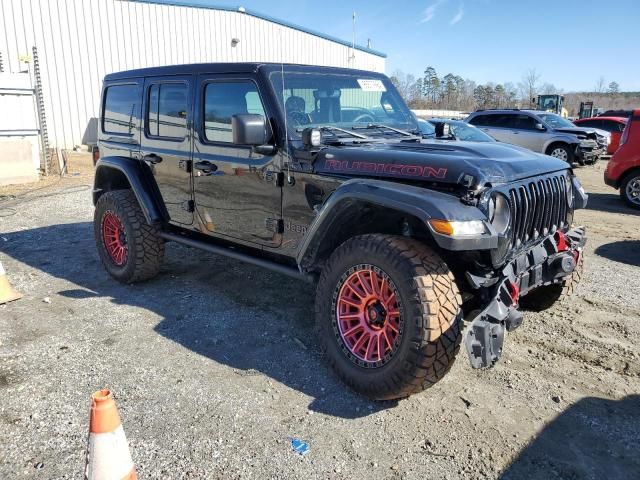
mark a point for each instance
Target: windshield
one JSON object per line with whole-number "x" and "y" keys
{"x": 426, "y": 128}
{"x": 556, "y": 121}
{"x": 344, "y": 100}
{"x": 469, "y": 133}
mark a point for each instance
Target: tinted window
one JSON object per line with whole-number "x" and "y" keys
{"x": 120, "y": 108}
{"x": 481, "y": 120}
{"x": 611, "y": 126}
{"x": 590, "y": 123}
{"x": 167, "y": 110}
{"x": 504, "y": 121}
{"x": 522, "y": 122}
{"x": 222, "y": 101}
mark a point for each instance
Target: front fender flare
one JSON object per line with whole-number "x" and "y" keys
{"x": 140, "y": 180}
{"x": 417, "y": 202}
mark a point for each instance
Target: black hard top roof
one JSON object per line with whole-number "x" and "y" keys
{"x": 197, "y": 68}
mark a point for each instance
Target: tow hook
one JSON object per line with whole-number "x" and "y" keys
{"x": 484, "y": 343}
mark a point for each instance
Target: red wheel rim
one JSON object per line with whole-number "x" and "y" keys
{"x": 368, "y": 315}
{"x": 114, "y": 238}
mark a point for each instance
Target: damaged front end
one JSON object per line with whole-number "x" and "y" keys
{"x": 547, "y": 262}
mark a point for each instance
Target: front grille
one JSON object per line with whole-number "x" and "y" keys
{"x": 538, "y": 207}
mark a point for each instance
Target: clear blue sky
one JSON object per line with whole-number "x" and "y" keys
{"x": 571, "y": 43}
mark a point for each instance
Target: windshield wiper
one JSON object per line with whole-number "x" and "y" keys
{"x": 381, "y": 126}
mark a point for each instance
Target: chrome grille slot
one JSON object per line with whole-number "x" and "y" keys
{"x": 537, "y": 207}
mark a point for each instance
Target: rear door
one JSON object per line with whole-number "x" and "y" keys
{"x": 500, "y": 128}
{"x": 166, "y": 142}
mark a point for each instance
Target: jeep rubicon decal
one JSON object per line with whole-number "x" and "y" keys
{"x": 385, "y": 168}
{"x": 316, "y": 187}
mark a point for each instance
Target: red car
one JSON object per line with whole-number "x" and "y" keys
{"x": 613, "y": 125}
{"x": 623, "y": 170}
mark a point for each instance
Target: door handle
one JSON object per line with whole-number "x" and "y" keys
{"x": 516, "y": 133}
{"x": 152, "y": 158}
{"x": 206, "y": 166}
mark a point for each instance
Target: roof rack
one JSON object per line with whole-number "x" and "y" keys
{"x": 494, "y": 109}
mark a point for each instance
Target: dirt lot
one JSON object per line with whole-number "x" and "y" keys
{"x": 215, "y": 367}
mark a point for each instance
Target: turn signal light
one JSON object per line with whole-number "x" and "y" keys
{"x": 447, "y": 227}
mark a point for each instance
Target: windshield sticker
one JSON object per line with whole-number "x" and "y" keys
{"x": 371, "y": 85}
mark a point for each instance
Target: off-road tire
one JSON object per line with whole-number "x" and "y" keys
{"x": 431, "y": 317}
{"x": 569, "y": 156}
{"x": 145, "y": 247}
{"x": 545, "y": 297}
{"x": 623, "y": 188}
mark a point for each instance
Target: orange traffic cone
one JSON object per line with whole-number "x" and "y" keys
{"x": 7, "y": 292}
{"x": 108, "y": 456}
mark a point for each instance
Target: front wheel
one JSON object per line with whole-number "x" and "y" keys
{"x": 130, "y": 249}
{"x": 630, "y": 189}
{"x": 388, "y": 315}
{"x": 562, "y": 152}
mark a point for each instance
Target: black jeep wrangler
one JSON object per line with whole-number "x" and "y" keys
{"x": 322, "y": 174}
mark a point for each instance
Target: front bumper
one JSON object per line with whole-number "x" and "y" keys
{"x": 545, "y": 263}
{"x": 588, "y": 154}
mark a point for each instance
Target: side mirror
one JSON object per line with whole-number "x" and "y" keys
{"x": 540, "y": 127}
{"x": 439, "y": 129}
{"x": 249, "y": 129}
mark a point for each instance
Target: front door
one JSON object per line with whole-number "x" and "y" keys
{"x": 166, "y": 142}
{"x": 237, "y": 191}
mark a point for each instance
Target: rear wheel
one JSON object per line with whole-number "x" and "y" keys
{"x": 545, "y": 297}
{"x": 562, "y": 152}
{"x": 630, "y": 189}
{"x": 130, "y": 249}
{"x": 388, "y": 315}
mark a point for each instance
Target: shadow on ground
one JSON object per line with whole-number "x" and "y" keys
{"x": 253, "y": 320}
{"x": 609, "y": 202}
{"x": 624, "y": 251}
{"x": 595, "y": 438}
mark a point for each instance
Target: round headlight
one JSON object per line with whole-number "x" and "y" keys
{"x": 569, "y": 191}
{"x": 499, "y": 212}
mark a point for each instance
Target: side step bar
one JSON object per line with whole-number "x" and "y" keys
{"x": 228, "y": 252}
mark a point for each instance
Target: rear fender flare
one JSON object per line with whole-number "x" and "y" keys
{"x": 140, "y": 180}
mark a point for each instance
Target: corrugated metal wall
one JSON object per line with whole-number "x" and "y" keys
{"x": 79, "y": 41}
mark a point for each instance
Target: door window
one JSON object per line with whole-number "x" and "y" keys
{"x": 222, "y": 100}
{"x": 502, "y": 121}
{"x": 483, "y": 120}
{"x": 167, "y": 111}
{"x": 611, "y": 126}
{"x": 522, "y": 122}
{"x": 591, "y": 124}
{"x": 120, "y": 109}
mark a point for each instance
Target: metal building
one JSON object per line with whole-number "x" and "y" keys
{"x": 79, "y": 41}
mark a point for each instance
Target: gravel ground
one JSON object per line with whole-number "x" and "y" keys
{"x": 215, "y": 367}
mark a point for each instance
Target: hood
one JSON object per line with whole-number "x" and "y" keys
{"x": 587, "y": 132}
{"x": 450, "y": 163}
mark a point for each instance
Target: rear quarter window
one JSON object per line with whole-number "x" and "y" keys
{"x": 121, "y": 103}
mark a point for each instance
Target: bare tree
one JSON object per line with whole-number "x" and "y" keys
{"x": 549, "y": 89}
{"x": 613, "y": 87}
{"x": 600, "y": 85}
{"x": 529, "y": 84}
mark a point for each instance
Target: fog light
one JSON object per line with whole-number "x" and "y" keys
{"x": 454, "y": 229}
